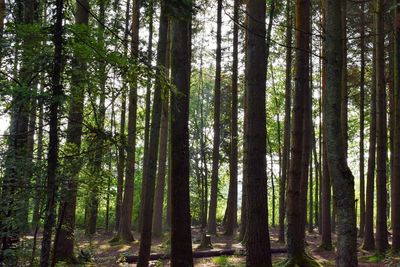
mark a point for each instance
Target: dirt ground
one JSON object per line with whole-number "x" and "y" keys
{"x": 106, "y": 254}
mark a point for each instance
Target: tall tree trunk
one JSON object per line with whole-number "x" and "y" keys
{"x": 181, "y": 242}
{"x": 395, "y": 216}
{"x": 287, "y": 127}
{"x": 326, "y": 241}
{"x": 231, "y": 221}
{"x": 342, "y": 178}
{"x": 162, "y": 160}
{"x": 65, "y": 241}
{"x": 343, "y": 86}
{"x": 121, "y": 148}
{"x": 362, "y": 123}
{"x": 369, "y": 240}
{"x": 300, "y": 148}
{"x": 100, "y": 111}
{"x": 150, "y": 179}
{"x": 212, "y": 220}
{"x": 13, "y": 201}
{"x": 52, "y": 156}
{"x": 124, "y": 229}
{"x": 381, "y": 131}
{"x": 257, "y": 242}
{"x": 150, "y": 12}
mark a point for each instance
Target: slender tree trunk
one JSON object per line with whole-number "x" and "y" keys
{"x": 65, "y": 245}
{"x": 257, "y": 242}
{"x": 162, "y": 160}
{"x": 212, "y": 220}
{"x": 381, "y": 131}
{"x": 147, "y": 114}
{"x": 326, "y": 241}
{"x": 287, "y": 127}
{"x": 395, "y": 216}
{"x": 121, "y": 148}
{"x": 52, "y": 156}
{"x": 343, "y": 87}
{"x": 369, "y": 240}
{"x": 231, "y": 221}
{"x": 297, "y": 182}
{"x": 124, "y": 230}
{"x": 362, "y": 123}
{"x": 94, "y": 194}
{"x": 181, "y": 242}
{"x": 342, "y": 178}
{"x": 147, "y": 215}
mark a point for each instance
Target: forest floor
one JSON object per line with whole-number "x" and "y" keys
{"x": 106, "y": 254}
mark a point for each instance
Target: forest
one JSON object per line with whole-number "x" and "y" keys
{"x": 200, "y": 133}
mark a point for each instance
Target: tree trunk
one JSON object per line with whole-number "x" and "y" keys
{"x": 369, "y": 240}
{"x": 326, "y": 241}
{"x": 181, "y": 242}
{"x": 162, "y": 160}
{"x": 343, "y": 86}
{"x": 362, "y": 100}
{"x": 52, "y": 156}
{"x": 381, "y": 131}
{"x": 257, "y": 242}
{"x": 297, "y": 182}
{"x": 121, "y": 148}
{"x": 124, "y": 229}
{"x": 396, "y": 163}
{"x": 342, "y": 178}
{"x": 150, "y": 179}
{"x": 147, "y": 114}
{"x": 231, "y": 221}
{"x": 212, "y": 213}
{"x": 287, "y": 127}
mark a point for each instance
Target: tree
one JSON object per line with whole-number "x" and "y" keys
{"x": 362, "y": 123}
{"x": 52, "y": 155}
{"x": 124, "y": 229}
{"x": 342, "y": 178}
{"x": 381, "y": 130}
{"x": 121, "y": 148}
{"x": 300, "y": 147}
{"x": 395, "y": 216}
{"x": 181, "y": 241}
{"x": 257, "y": 241}
{"x": 231, "y": 221}
{"x": 369, "y": 240}
{"x": 212, "y": 220}
{"x": 151, "y": 167}
{"x": 65, "y": 244}
{"x": 287, "y": 123}
{"x": 326, "y": 240}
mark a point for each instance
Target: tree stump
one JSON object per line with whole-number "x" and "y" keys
{"x": 205, "y": 242}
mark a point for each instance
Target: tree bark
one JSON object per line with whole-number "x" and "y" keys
{"x": 181, "y": 242}
{"x": 231, "y": 221}
{"x": 297, "y": 182}
{"x": 124, "y": 230}
{"x": 381, "y": 131}
{"x": 257, "y": 242}
{"x": 395, "y": 216}
{"x": 147, "y": 115}
{"x": 52, "y": 156}
{"x": 150, "y": 179}
{"x": 362, "y": 123}
{"x": 342, "y": 178}
{"x": 287, "y": 122}
{"x": 121, "y": 148}
{"x": 369, "y": 239}
{"x": 212, "y": 212}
